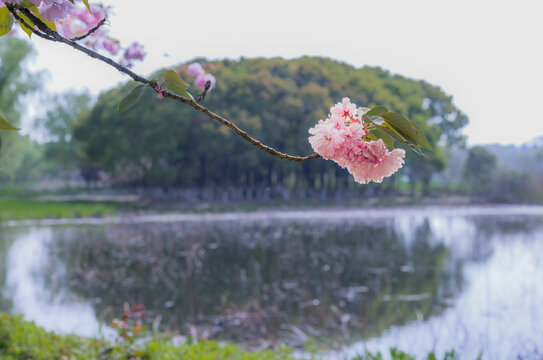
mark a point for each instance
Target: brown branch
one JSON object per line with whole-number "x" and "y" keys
{"x": 56, "y": 37}
{"x": 202, "y": 96}
{"x": 23, "y": 22}
{"x": 237, "y": 130}
{"x": 89, "y": 33}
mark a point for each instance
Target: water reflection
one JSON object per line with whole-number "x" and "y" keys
{"x": 499, "y": 313}
{"x": 248, "y": 281}
{"x": 422, "y": 281}
{"x": 41, "y": 298}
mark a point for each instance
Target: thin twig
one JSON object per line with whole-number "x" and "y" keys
{"x": 89, "y": 33}
{"x": 56, "y": 37}
{"x": 202, "y": 96}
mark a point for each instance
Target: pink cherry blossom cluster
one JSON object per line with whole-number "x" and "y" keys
{"x": 343, "y": 138}
{"x": 133, "y": 52}
{"x": 52, "y": 10}
{"x": 196, "y": 69}
{"x": 73, "y": 21}
{"x": 81, "y": 21}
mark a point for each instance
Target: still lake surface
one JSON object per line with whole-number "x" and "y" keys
{"x": 420, "y": 279}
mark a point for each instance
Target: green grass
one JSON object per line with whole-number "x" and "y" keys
{"x": 35, "y": 209}
{"x": 23, "y": 340}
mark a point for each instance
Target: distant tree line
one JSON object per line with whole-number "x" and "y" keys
{"x": 159, "y": 145}
{"x": 487, "y": 181}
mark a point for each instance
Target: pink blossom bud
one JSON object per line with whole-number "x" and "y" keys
{"x": 56, "y": 10}
{"x": 112, "y": 46}
{"x": 195, "y": 69}
{"x": 201, "y": 81}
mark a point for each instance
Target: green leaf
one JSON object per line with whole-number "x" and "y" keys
{"x": 25, "y": 4}
{"x": 178, "y": 90}
{"x": 51, "y": 25}
{"x": 403, "y": 126}
{"x": 376, "y": 111}
{"x": 4, "y": 125}
{"x": 381, "y": 134}
{"x": 6, "y": 21}
{"x": 173, "y": 77}
{"x": 416, "y": 149}
{"x": 398, "y": 128}
{"x": 398, "y": 137}
{"x": 372, "y": 137}
{"x": 27, "y": 21}
{"x": 422, "y": 138}
{"x": 86, "y": 2}
{"x": 130, "y": 98}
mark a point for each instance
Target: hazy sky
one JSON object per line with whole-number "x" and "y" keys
{"x": 487, "y": 54}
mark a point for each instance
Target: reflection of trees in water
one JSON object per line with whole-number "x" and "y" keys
{"x": 6, "y": 240}
{"x": 490, "y": 226}
{"x": 489, "y": 229}
{"x": 249, "y": 281}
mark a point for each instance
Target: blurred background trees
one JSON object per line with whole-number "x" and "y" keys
{"x": 159, "y": 144}
{"x": 18, "y": 154}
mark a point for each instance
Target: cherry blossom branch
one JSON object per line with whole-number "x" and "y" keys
{"x": 54, "y": 36}
{"x": 89, "y": 33}
{"x": 237, "y": 130}
{"x": 202, "y": 96}
{"x": 23, "y": 22}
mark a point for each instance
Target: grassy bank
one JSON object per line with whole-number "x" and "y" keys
{"x": 20, "y": 209}
{"x": 20, "y": 340}
{"x": 23, "y": 340}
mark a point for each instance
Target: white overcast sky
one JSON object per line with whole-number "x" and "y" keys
{"x": 487, "y": 54}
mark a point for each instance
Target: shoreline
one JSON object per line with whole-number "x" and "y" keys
{"x": 333, "y": 213}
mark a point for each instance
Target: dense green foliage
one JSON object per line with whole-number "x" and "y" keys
{"x": 18, "y": 155}
{"x": 479, "y": 169}
{"x": 163, "y": 143}
{"x": 61, "y": 154}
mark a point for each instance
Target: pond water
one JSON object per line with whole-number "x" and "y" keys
{"x": 421, "y": 279}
